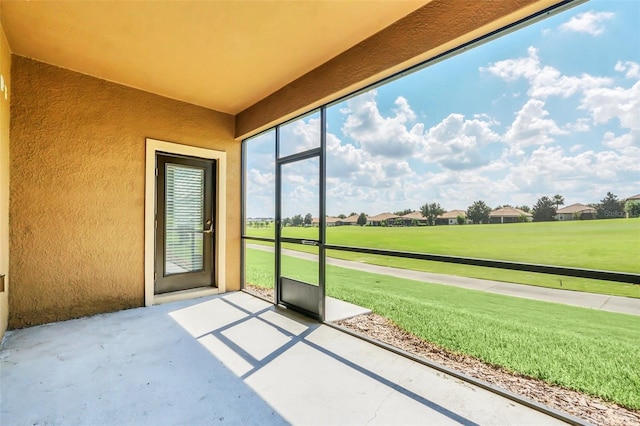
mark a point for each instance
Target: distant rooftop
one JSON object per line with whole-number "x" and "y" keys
{"x": 452, "y": 214}
{"x": 576, "y": 208}
{"x": 382, "y": 216}
{"x": 509, "y": 212}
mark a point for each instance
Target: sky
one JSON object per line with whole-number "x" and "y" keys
{"x": 551, "y": 108}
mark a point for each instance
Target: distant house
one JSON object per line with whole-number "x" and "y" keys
{"x": 509, "y": 215}
{"x": 450, "y": 217}
{"x": 377, "y": 220}
{"x": 632, "y": 198}
{"x": 329, "y": 221}
{"x": 413, "y": 218}
{"x": 351, "y": 220}
{"x": 576, "y": 211}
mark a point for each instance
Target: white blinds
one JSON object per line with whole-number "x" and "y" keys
{"x": 184, "y": 218}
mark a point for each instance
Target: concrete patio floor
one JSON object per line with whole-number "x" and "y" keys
{"x": 231, "y": 358}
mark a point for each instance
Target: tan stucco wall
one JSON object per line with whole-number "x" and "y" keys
{"x": 437, "y": 27}
{"x": 77, "y": 189}
{"x": 5, "y": 71}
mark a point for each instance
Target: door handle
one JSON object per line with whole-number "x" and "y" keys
{"x": 209, "y": 223}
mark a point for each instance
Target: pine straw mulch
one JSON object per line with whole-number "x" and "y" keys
{"x": 586, "y": 407}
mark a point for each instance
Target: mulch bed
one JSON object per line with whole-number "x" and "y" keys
{"x": 589, "y": 408}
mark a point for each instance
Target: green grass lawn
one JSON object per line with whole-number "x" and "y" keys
{"x": 591, "y": 351}
{"x": 598, "y": 244}
{"x": 595, "y": 244}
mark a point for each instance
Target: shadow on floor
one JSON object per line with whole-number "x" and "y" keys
{"x": 230, "y": 358}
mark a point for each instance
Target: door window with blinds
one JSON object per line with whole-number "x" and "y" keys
{"x": 185, "y": 226}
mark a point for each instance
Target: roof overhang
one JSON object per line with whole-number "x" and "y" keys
{"x": 263, "y": 61}
{"x": 223, "y": 55}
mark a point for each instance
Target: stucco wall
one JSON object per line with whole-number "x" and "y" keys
{"x": 5, "y": 71}
{"x": 77, "y": 189}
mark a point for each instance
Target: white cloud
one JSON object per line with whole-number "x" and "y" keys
{"x": 622, "y": 105}
{"x": 548, "y": 170}
{"x": 260, "y": 193}
{"x": 460, "y": 147}
{"x": 342, "y": 159}
{"x": 259, "y": 179}
{"x": 351, "y": 164}
{"x": 498, "y": 164}
{"x": 550, "y": 82}
{"x": 300, "y": 180}
{"x": 358, "y": 180}
{"x": 300, "y": 135}
{"x": 381, "y": 136}
{"x": 390, "y": 162}
{"x": 531, "y": 127}
{"x": 588, "y": 22}
{"x": 403, "y": 110}
{"x": 513, "y": 69}
{"x": 300, "y": 196}
{"x": 605, "y": 104}
{"x": 630, "y": 68}
{"x": 457, "y": 189}
{"x": 302, "y": 192}
{"x": 580, "y": 125}
{"x": 624, "y": 143}
{"x": 543, "y": 81}
{"x": 294, "y": 178}
{"x": 457, "y": 144}
{"x": 371, "y": 174}
{"x": 454, "y": 143}
{"x": 397, "y": 169}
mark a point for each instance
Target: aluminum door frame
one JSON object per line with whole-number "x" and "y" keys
{"x": 209, "y": 215}
{"x": 301, "y": 292}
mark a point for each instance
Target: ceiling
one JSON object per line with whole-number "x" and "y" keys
{"x": 223, "y": 55}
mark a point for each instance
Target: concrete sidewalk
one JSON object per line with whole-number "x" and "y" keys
{"x": 230, "y": 358}
{"x": 625, "y": 305}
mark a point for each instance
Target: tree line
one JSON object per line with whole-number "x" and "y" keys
{"x": 610, "y": 207}
{"x": 544, "y": 210}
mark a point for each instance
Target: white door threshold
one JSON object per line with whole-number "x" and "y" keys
{"x": 192, "y": 293}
